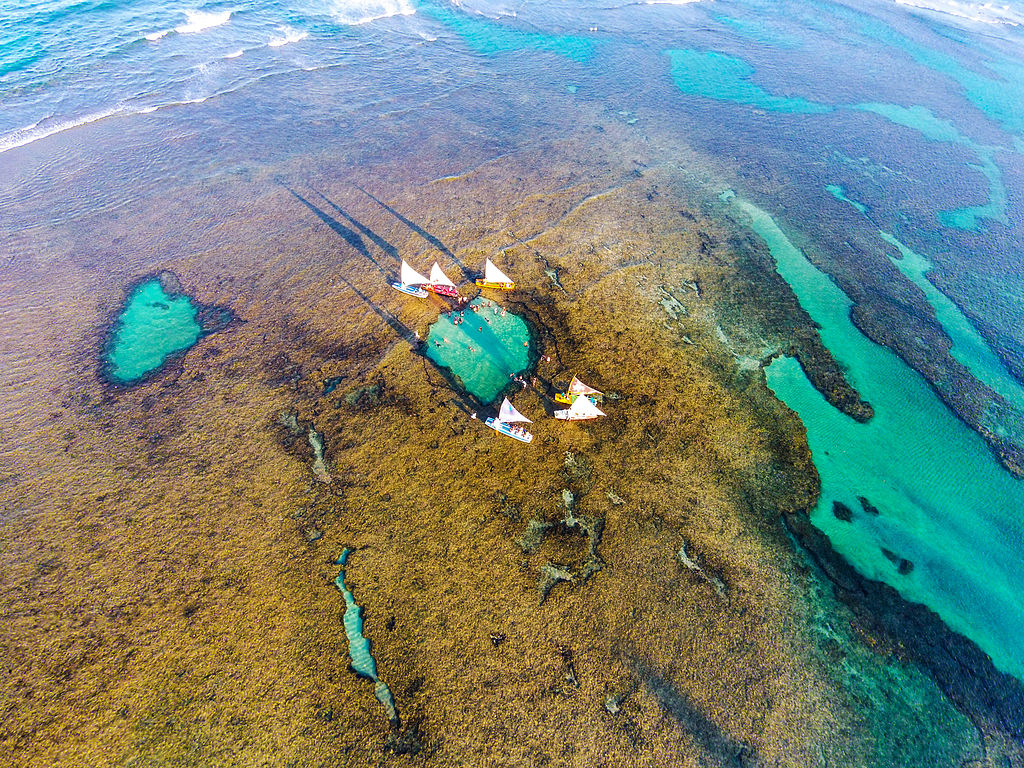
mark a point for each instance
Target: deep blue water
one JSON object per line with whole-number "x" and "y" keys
{"x": 914, "y": 109}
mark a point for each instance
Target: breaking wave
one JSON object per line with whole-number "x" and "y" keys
{"x": 984, "y": 13}
{"x": 355, "y": 12}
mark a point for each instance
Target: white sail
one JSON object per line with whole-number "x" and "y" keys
{"x": 410, "y": 276}
{"x": 583, "y": 408}
{"x": 494, "y": 275}
{"x": 437, "y": 277}
{"x": 577, "y": 387}
{"x": 508, "y": 414}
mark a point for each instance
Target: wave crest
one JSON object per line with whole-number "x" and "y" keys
{"x": 288, "y": 35}
{"x": 354, "y": 12}
{"x": 197, "y": 21}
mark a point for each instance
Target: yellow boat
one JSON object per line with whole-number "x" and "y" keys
{"x": 574, "y": 390}
{"x": 495, "y": 278}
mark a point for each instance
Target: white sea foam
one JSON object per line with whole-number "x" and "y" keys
{"x": 984, "y": 13}
{"x": 198, "y": 21}
{"x": 154, "y": 36}
{"x": 288, "y": 35}
{"x": 364, "y": 11}
{"x": 44, "y": 128}
{"x": 234, "y": 54}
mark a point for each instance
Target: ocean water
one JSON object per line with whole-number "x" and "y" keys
{"x": 283, "y": 157}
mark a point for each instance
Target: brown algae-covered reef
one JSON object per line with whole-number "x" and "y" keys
{"x": 620, "y": 592}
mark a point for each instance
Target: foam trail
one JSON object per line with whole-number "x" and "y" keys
{"x": 154, "y": 36}
{"x": 289, "y": 35}
{"x": 234, "y": 54}
{"x": 199, "y": 21}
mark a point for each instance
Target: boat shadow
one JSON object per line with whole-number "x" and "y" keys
{"x": 435, "y": 241}
{"x": 374, "y": 237}
{"x": 350, "y": 236}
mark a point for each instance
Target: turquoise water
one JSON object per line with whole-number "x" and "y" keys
{"x": 715, "y": 75}
{"x": 999, "y": 97}
{"x": 484, "y": 351}
{"x": 969, "y": 347}
{"x": 946, "y": 505}
{"x": 839, "y": 193}
{"x": 358, "y": 646}
{"x": 152, "y": 327}
{"x": 933, "y": 128}
{"x": 485, "y": 36}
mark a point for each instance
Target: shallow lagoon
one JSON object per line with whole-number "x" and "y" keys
{"x": 483, "y": 345}
{"x": 153, "y": 326}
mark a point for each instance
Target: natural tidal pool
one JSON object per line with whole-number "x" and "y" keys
{"x": 933, "y": 514}
{"x": 362, "y": 660}
{"x": 483, "y": 345}
{"x": 153, "y": 326}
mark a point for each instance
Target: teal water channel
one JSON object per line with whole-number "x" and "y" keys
{"x": 358, "y": 646}
{"x": 717, "y": 76}
{"x": 153, "y": 326}
{"x": 969, "y": 347}
{"x": 482, "y": 347}
{"x": 938, "y": 503}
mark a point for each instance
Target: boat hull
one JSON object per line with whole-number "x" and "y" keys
{"x": 443, "y": 290}
{"x": 410, "y": 290}
{"x": 506, "y": 429}
{"x": 563, "y": 397}
{"x": 499, "y": 286}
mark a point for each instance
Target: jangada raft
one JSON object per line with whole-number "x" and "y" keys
{"x": 575, "y": 389}
{"x": 410, "y": 282}
{"x": 505, "y": 423}
{"x": 582, "y": 408}
{"x": 440, "y": 284}
{"x": 495, "y": 278}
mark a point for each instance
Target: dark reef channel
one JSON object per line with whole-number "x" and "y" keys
{"x": 157, "y": 324}
{"x": 993, "y": 700}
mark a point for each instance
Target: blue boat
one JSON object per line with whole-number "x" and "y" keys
{"x": 505, "y": 423}
{"x": 410, "y": 282}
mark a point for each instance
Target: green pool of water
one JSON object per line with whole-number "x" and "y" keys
{"x": 714, "y": 75}
{"x": 490, "y": 37}
{"x": 152, "y": 326}
{"x": 484, "y": 351}
{"x": 945, "y": 503}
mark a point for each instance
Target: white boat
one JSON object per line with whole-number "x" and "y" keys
{"x": 508, "y": 416}
{"x": 495, "y": 278}
{"x": 575, "y": 389}
{"x": 410, "y": 282}
{"x": 439, "y": 282}
{"x": 582, "y": 408}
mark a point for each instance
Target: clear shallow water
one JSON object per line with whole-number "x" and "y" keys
{"x": 153, "y": 326}
{"x": 484, "y": 351}
{"x": 785, "y": 82}
{"x": 945, "y": 503}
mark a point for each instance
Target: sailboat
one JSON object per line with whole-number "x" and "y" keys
{"x": 410, "y": 281}
{"x": 495, "y": 278}
{"x": 575, "y": 389}
{"x": 505, "y": 423}
{"x": 582, "y": 408}
{"x": 440, "y": 284}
